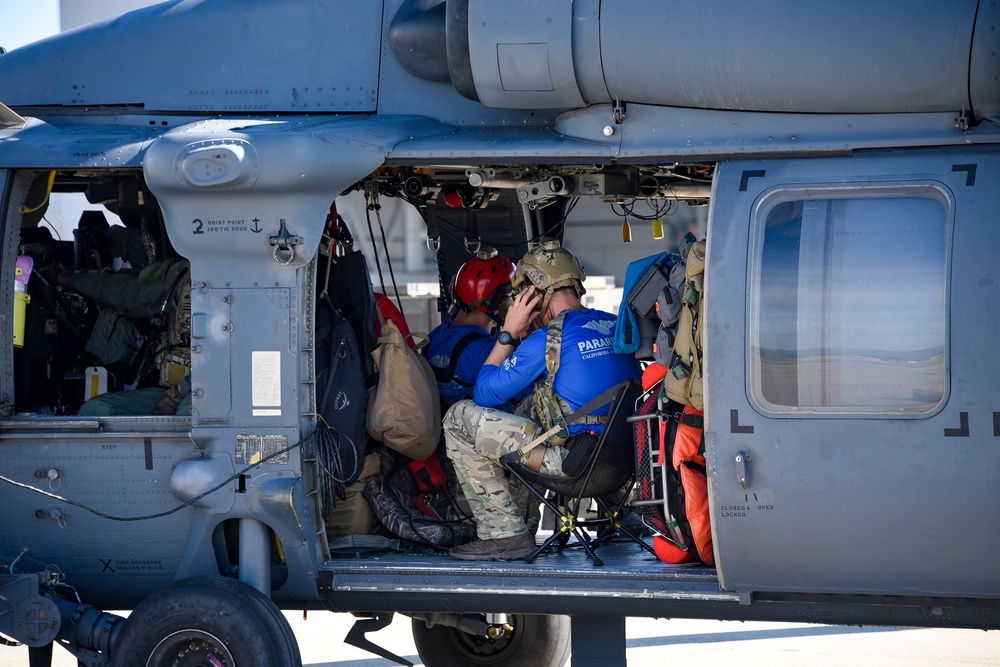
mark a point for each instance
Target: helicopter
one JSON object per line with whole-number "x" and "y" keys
{"x": 848, "y": 155}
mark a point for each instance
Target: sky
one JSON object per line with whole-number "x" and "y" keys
{"x": 26, "y": 21}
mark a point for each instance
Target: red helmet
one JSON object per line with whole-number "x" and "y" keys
{"x": 483, "y": 281}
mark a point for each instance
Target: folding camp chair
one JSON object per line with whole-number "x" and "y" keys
{"x": 609, "y": 469}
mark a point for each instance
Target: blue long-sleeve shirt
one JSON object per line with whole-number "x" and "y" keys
{"x": 588, "y": 364}
{"x": 440, "y": 350}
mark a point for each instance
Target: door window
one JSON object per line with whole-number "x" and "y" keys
{"x": 848, "y": 301}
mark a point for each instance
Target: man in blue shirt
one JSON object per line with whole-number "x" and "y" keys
{"x": 549, "y": 284}
{"x": 459, "y": 346}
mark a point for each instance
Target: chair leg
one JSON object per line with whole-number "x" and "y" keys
{"x": 545, "y": 545}
{"x": 606, "y": 526}
{"x": 559, "y": 538}
{"x": 561, "y": 533}
{"x": 579, "y": 527}
{"x": 570, "y": 524}
{"x": 586, "y": 544}
{"x": 615, "y": 524}
{"x": 638, "y": 540}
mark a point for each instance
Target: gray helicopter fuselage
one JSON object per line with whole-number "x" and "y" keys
{"x": 849, "y": 154}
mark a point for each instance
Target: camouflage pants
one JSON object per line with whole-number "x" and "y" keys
{"x": 476, "y": 438}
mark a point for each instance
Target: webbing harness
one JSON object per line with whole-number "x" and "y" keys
{"x": 548, "y": 408}
{"x": 446, "y": 375}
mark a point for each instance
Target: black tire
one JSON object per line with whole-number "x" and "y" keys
{"x": 536, "y": 641}
{"x": 185, "y": 623}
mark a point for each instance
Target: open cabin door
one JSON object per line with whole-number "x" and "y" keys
{"x": 851, "y": 375}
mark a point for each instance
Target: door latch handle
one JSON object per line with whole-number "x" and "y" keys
{"x": 741, "y": 460}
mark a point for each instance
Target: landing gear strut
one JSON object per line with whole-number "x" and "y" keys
{"x": 525, "y": 641}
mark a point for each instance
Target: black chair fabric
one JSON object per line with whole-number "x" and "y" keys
{"x": 610, "y": 470}
{"x": 614, "y": 454}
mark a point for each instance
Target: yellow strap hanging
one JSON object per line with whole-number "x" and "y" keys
{"x": 48, "y": 191}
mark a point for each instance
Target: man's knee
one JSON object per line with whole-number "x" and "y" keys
{"x": 452, "y": 417}
{"x": 452, "y": 446}
{"x": 551, "y": 462}
{"x": 455, "y": 427}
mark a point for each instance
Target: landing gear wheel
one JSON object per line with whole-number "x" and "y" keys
{"x": 206, "y": 622}
{"x": 193, "y": 648}
{"x": 535, "y": 641}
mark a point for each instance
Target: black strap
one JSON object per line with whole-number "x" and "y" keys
{"x": 366, "y": 542}
{"x": 335, "y": 354}
{"x": 694, "y": 421}
{"x": 604, "y": 397}
{"x": 674, "y": 411}
{"x": 596, "y": 402}
{"x": 160, "y": 319}
{"x": 446, "y": 375}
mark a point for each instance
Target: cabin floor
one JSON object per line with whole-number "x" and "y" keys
{"x": 556, "y": 582}
{"x": 632, "y": 582}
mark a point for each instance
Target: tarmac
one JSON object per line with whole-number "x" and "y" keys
{"x": 658, "y": 642}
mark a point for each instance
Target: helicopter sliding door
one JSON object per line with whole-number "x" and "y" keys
{"x": 851, "y": 387}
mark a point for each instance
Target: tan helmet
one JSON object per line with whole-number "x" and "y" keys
{"x": 549, "y": 267}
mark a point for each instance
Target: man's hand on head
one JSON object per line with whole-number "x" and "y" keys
{"x": 521, "y": 315}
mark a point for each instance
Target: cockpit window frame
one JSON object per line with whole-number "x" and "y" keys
{"x": 15, "y": 190}
{"x": 9, "y": 234}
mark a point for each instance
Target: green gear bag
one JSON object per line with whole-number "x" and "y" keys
{"x": 683, "y": 381}
{"x": 115, "y": 340}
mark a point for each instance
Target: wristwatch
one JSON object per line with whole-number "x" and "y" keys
{"x": 504, "y": 338}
